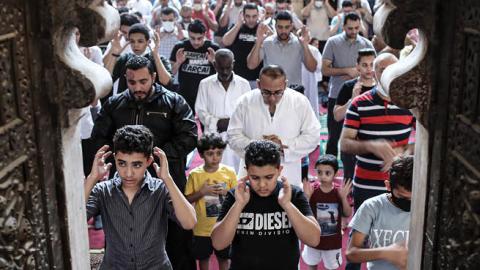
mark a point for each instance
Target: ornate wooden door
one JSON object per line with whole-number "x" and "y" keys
{"x": 452, "y": 233}
{"x": 30, "y": 230}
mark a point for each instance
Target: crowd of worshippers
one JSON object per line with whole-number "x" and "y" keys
{"x": 241, "y": 86}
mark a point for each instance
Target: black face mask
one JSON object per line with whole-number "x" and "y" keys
{"x": 401, "y": 203}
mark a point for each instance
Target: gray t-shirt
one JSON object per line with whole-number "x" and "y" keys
{"x": 289, "y": 56}
{"x": 384, "y": 223}
{"x": 343, "y": 54}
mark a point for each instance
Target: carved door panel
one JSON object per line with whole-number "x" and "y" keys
{"x": 30, "y": 234}
{"x": 452, "y": 238}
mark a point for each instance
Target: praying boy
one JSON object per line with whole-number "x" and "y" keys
{"x": 263, "y": 218}
{"x": 135, "y": 206}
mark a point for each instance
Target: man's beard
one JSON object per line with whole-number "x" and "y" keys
{"x": 283, "y": 36}
{"x": 352, "y": 36}
{"x": 143, "y": 95}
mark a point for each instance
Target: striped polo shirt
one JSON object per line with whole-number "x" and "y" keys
{"x": 375, "y": 118}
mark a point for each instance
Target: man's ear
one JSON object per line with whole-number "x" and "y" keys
{"x": 258, "y": 84}
{"x": 280, "y": 168}
{"x": 154, "y": 75}
{"x": 387, "y": 185}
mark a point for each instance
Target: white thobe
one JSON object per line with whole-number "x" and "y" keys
{"x": 214, "y": 103}
{"x": 143, "y": 6}
{"x": 294, "y": 122}
{"x": 310, "y": 80}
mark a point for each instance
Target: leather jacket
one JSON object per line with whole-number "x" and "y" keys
{"x": 165, "y": 113}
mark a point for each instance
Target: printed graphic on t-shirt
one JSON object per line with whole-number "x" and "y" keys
{"x": 197, "y": 63}
{"x": 327, "y": 217}
{"x": 264, "y": 224}
{"x": 247, "y": 37}
{"x": 213, "y": 204}
{"x": 383, "y": 238}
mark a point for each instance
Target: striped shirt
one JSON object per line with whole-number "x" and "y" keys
{"x": 375, "y": 118}
{"x": 134, "y": 233}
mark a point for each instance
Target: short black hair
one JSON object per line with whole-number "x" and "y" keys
{"x": 401, "y": 173}
{"x": 138, "y": 14}
{"x": 329, "y": 160}
{"x": 139, "y": 28}
{"x": 128, "y": 19}
{"x": 364, "y": 53}
{"x": 262, "y": 153}
{"x": 352, "y": 16}
{"x": 197, "y": 27}
{"x": 167, "y": 11}
{"x": 137, "y": 62}
{"x": 347, "y": 3}
{"x": 122, "y": 10}
{"x": 284, "y": 16}
{"x": 210, "y": 141}
{"x": 250, "y": 6}
{"x": 133, "y": 139}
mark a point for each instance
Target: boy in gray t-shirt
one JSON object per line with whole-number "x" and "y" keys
{"x": 384, "y": 220}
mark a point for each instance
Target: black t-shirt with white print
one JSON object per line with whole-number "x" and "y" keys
{"x": 195, "y": 68}
{"x": 265, "y": 239}
{"x": 241, "y": 47}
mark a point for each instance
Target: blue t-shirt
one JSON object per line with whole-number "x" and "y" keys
{"x": 384, "y": 223}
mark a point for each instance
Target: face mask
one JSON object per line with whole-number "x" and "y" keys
{"x": 168, "y": 26}
{"x": 318, "y": 4}
{"x": 197, "y": 7}
{"x": 401, "y": 203}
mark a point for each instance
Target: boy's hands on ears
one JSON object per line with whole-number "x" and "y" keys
{"x": 285, "y": 194}
{"x": 162, "y": 169}
{"x": 100, "y": 170}
{"x": 242, "y": 192}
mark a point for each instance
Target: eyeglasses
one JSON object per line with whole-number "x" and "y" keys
{"x": 267, "y": 93}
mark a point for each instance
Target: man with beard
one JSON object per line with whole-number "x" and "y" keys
{"x": 283, "y": 49}
{"x": 350, "y": 90}
{"x": 139, "y": 42}
{"x": 339, "y": 63}
{"x": 217, "y": 98}
{"x": 172, "y": 123}
{"x": 241, "y": 39}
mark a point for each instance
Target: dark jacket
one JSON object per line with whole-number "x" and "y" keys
{"x": 165, "y": 113}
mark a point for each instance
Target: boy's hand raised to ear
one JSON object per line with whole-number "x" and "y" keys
{"x": 100, "y": 169}
{"x": 285, "y": 194}
{"x": 162, "y": 169}
{"x": 242, "y": 192}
